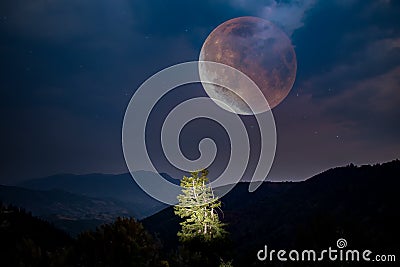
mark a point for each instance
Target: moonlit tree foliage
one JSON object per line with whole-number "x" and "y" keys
{"x": 198, "y": 207}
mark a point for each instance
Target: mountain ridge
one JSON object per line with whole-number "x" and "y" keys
{"x": 121, "y": 187}
{"x": 358, "y": 203}
{"x": 70, "y": 212}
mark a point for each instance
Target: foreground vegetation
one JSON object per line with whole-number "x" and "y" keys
{"x": 355, "y": 203}
{"x": 29, "y": 241}
{"x": 122, "y": 243}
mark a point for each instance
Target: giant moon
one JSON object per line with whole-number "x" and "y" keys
{"x": 257, "y": 48}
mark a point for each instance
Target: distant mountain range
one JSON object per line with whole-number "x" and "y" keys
{"x": 359, "y": 204}
{"x": 70, "y": 212}
{"x": 78, "y": 202}
{"x": 119, "y": 187}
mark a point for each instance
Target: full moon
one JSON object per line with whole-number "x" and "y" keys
{"x": 257, "y": 48}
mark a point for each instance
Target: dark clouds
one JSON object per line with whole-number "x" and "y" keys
{"x": 287, "y": 14}
{"x": 337, "y": 33}
{"x": 347, "y": 91}
{"x": 68, "y": 70}
{"x": 357, "y": 81}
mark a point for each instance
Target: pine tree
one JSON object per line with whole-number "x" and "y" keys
{"x": 199, "y": 208}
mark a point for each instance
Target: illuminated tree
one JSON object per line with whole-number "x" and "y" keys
{"x": 198, "y": 207}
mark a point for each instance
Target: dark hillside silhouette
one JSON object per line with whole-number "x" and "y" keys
{"x": 359, "y": 204}
{"x": 27, "y": 240}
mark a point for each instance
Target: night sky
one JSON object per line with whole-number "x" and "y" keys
{"x": 68, "y": 69}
